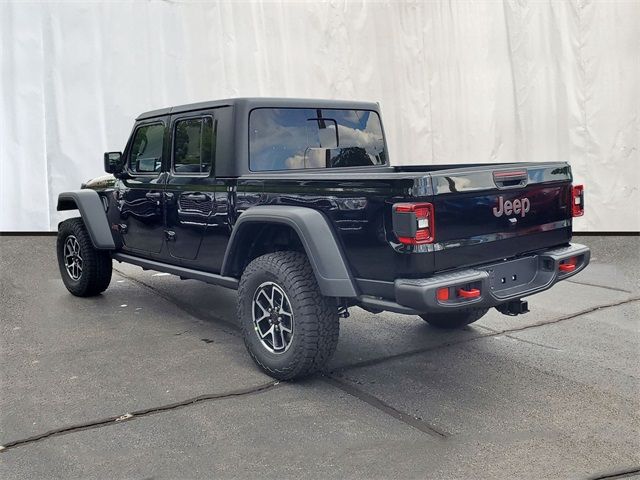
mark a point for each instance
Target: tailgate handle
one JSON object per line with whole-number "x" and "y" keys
{"x": 510, "y": 178}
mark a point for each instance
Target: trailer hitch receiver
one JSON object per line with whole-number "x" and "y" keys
{"x": 513, "y": 308}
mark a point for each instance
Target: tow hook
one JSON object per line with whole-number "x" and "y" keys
{"x": 514, "y": 307}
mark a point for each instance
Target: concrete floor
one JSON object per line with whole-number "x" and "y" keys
{"x": 552, "y": 394}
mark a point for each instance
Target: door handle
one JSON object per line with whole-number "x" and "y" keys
{"x": 153, "y": 195}
{"x": 198, "y": 197}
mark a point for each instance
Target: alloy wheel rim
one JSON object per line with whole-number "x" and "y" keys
{"x": 272, "y": 317}
{"x": 72, "y": 257}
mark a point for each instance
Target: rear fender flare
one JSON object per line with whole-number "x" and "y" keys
{"x": 317, "y": 237}
{"x": 93, "y": 215}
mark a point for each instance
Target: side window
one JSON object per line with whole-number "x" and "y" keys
{"x": 193, "y": 146}
{"x": 146, "y": 150}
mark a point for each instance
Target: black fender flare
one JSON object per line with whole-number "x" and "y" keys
{"x": 93, "y": 215}
{"x": 318, "y": 239}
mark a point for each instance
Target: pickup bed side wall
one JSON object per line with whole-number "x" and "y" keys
{"x": 93, "y": 215}
{"x": 358, "y": 207}
{"x": 317, "y": 237}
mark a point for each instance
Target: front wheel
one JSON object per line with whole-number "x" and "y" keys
{"x": 453, "y": 320}
{"x": 290, "y": 329}
{"x": 85, "y": 271}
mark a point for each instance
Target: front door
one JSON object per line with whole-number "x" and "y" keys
{"x": 140, "y": 194}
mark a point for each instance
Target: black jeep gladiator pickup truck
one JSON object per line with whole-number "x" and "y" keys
{"x": 294, "y": 204}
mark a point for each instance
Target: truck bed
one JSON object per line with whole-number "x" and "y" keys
{"x": 359, "y": 201}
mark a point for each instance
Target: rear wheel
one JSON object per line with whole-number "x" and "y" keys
{"x": 85, "y": 271}
{"x": 290, "y": 329}
{"x": 453, "y": 320}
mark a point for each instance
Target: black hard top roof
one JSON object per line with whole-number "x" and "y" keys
{"x": 258, "y": 102}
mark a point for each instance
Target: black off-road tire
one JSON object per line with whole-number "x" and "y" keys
{"x": 316, "y": 325}
{"x": 453, "y": 320}
{"x": 96, "y": 264}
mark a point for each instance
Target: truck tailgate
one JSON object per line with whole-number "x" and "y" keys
{"x": 489, "y": 213}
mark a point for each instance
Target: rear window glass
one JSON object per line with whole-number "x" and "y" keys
{"x": 295, "y": 138}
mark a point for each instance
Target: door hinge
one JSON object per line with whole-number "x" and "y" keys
{"x": 170, "y": 235}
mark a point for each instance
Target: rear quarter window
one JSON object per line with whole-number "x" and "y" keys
{"x": 297, "y": 138}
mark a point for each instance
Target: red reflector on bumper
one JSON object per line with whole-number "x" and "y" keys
{"x": 442, "y": 294}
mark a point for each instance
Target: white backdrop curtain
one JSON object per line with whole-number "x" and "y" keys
{"x": 458, "y": 81}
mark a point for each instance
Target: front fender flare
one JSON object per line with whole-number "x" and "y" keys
{"x": 318, "y": 239}
{"x": 93, "y": 215}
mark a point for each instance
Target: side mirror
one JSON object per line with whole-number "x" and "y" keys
{"x": 113, "y": 162}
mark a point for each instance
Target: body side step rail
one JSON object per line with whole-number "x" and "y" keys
{"x": 213, "y": 278}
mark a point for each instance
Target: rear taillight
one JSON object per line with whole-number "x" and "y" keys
{"x": 577, "y": 200}
{"x": 414, "y": 223}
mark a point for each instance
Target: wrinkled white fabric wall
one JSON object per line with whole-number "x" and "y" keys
{"x": 457, "y": 81}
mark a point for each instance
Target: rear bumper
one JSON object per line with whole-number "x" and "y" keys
{"x": 497, "y": 283}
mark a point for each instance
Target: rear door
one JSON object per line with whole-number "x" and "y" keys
{"x": 190, "y": 193}
{"x": 491, "y": 213}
